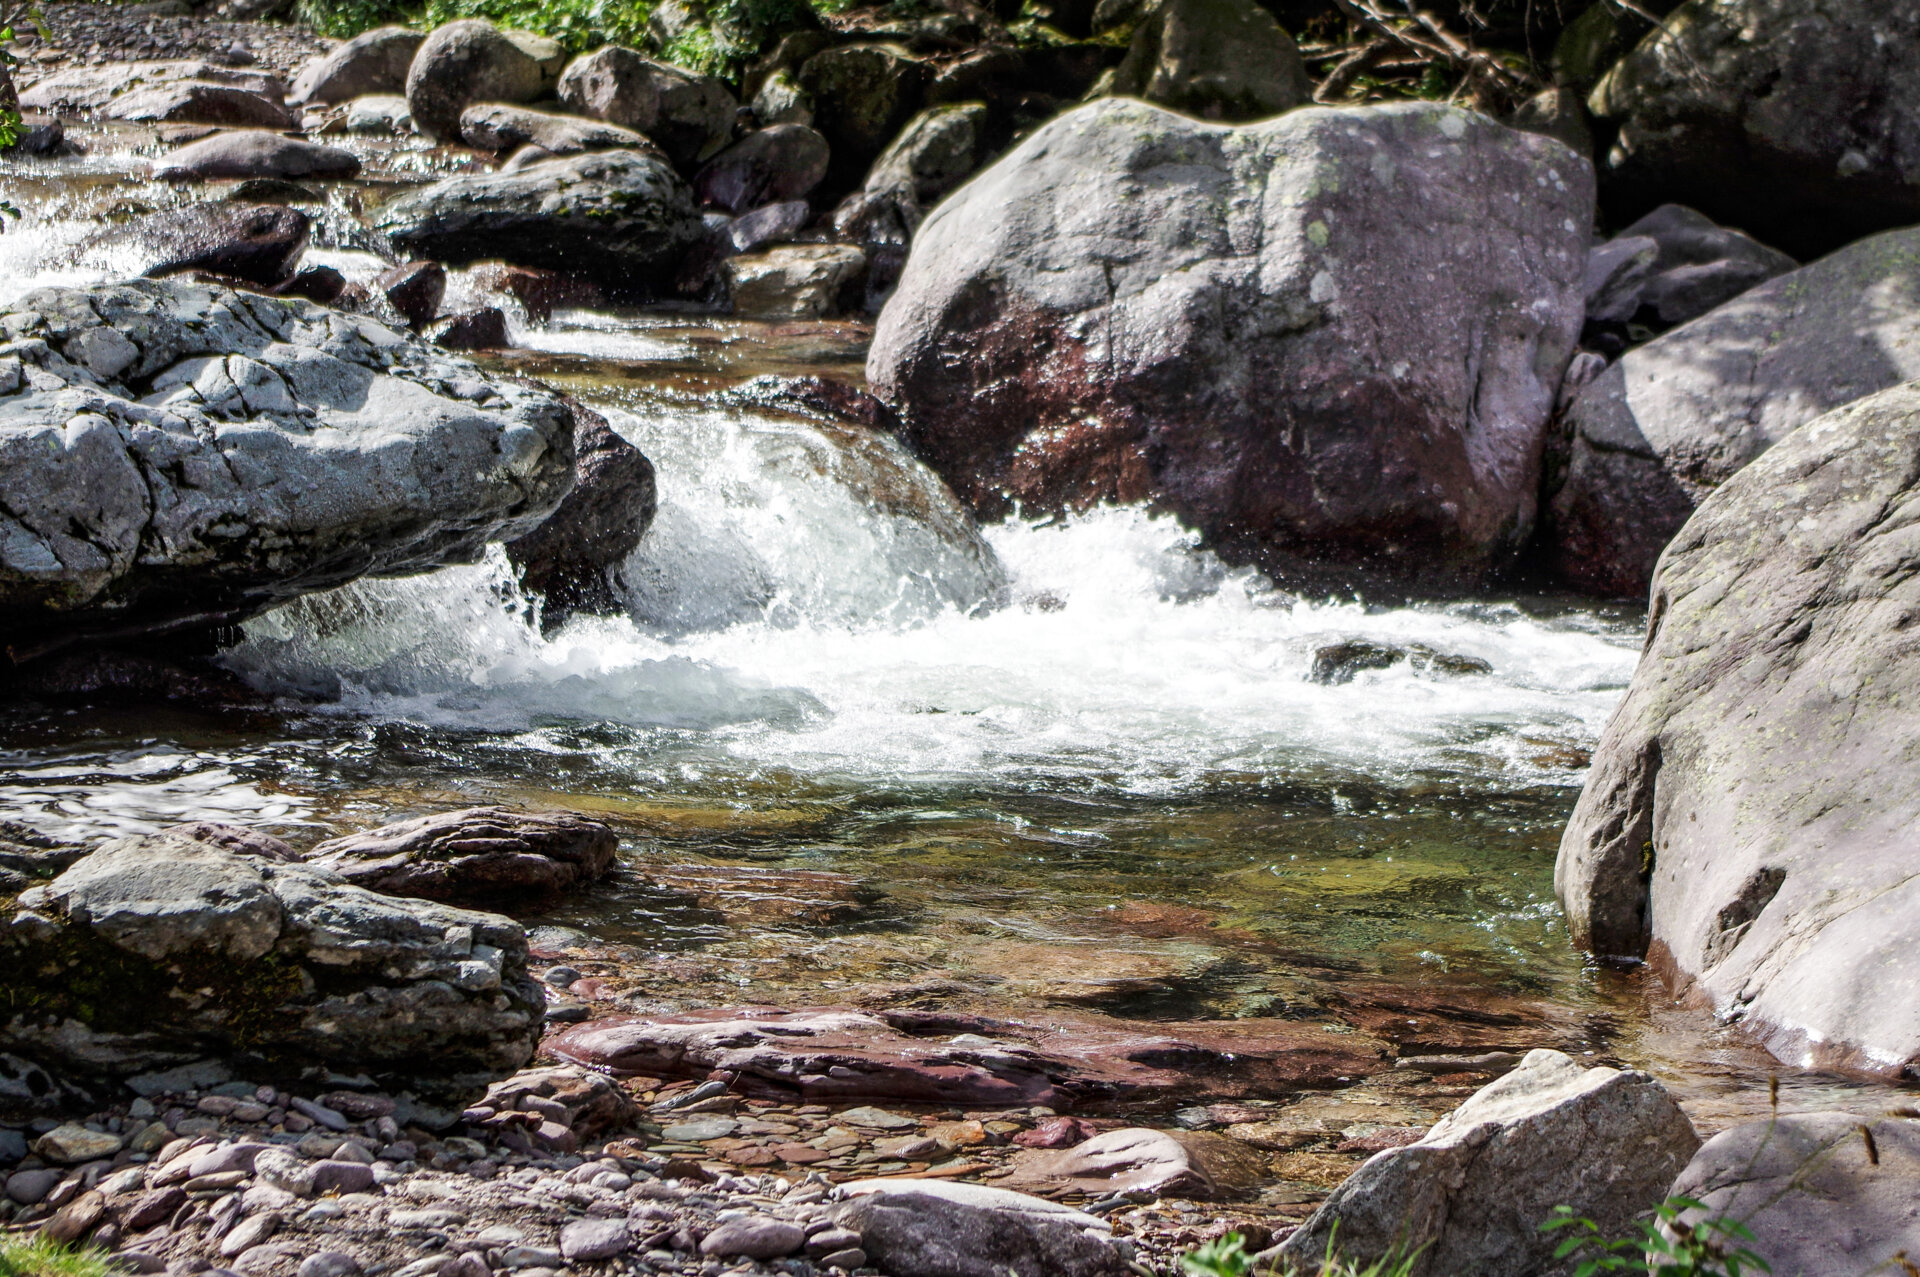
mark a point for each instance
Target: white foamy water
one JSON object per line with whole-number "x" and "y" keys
{"x": 808, "y": 601}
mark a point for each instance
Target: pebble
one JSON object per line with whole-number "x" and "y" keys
{"x": 754, "y": 1237}
{"x": 332, "y": 1120}
{"x": 248, "y": 1233}
{"x": 329, "y": 1263}
{"x": 530, "y": 1257}
{"x": 586, "y": 1240}
{"x": 342, "y": 1177}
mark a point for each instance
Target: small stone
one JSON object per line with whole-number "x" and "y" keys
{"x": 846, "y": 1260}
{"x": 150, "y": 1138}
{"x": 754, "y": 1237}
{"x": 319, "y": 1113}
{"x": 30, "y": 1188}
{"x": 70, "y": 1145}
{"x": 218, "y": 1182}
{"x": 519, "y": 1257}
{"x": 153, "y": 1208}
{"x": 699, "y": 1132}
{"x": 329, "y": 1263}
{"x": 878, "y": 1119}
{"x": 249, "y": 1233}
{"x": 233, "y": 1157}
{"x": 587, "y": 1240}
{"x": 483, "y": 329}
{"x": 342, "y": 1177}
{"x": 13, "y": 1146}
{"x": 76, "y": 1219}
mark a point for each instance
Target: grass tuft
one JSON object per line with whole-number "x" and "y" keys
{"x": 35, "y": 1256}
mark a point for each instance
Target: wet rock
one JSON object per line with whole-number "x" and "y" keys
{"x": 314, "y": 972}
{"x": 932, "y": 155}
{"x": 1191, "y": 1164}
{"x": 754, "y": 1237}
{"x": 482, "y": 329}
{"x": 93, "y": 88}
{"x": 1215, "y": 59}
{"x": 414, "y": 290}
{"x": 1471, "y": 1195}
{"x": 919, "y": 1235}
{"x": 255, "y": 153}
{"x": 13, "y": 1144}
{"x": 197, "y": 102}
{"x": 1771, "y": 880}
{"x": 1339, "y": 663}
{"x": 620, "y": 217}
{"x": 570, "y": 560}
{"x": 373, "y": 62}
{"x": 379, "y": 115}
{"x": 257, "y": 243}
{"x": 793, "y": 281}
{"x": 379, "y": 490}
{"x": 1825, "y": 1194}
{"x": 465, "y": 62}
{"x": 540, "y": 292}
{"x": 769, "y": 224}
{"x": 321, "y": 284}
{"x": 824, "y": 397}
{"x": 1801, "y": 132}
{"x": 839, "y": 1056}
{"x": 690, "y": 116}
{"x": 862, "y": 95}
{"x": 779, "y": 163}
{"x": 475, "y": 854}
{"x": 494, "y": 126}
{"x": 1658, "y": 431}
{"x": 1303, "y": 406}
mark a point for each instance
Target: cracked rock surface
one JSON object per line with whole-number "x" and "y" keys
{"x": 177, "y": 454}
{"x": 1328, "y": 341}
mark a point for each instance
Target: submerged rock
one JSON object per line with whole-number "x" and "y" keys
{"x": 479, "y": 854}
{"x": 259, "y": 243}
{"x": 623, "y": 218}
{"x": 571, "y": 559}
{"x": 1361, "y": 397}
{"x": 1470, "y": 1196}
{"x": 1658, "y": 431}
{"x": 178, "y": 455}
{"x": 1746, "y": 825}
{"x": 1824, "y": 1194}
{"x": 1338, "y": 663}
{"x": 283, "y": 970}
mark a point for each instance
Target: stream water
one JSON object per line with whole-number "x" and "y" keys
{"x": 858, "y": 750}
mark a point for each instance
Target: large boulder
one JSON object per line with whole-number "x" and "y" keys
{"x": 472, "y": 61}
{"x": 938, "y": 150}
{"x": 1471, "y": 1194}
{"x": 1747, "y": 825}
{"x": 1217, "y": 59}
{"x": 690, "y": 116}
{"x": 478, "y": 855}
{"x": 1824, "y": 1194}
{"x": 174, "y": 455}
{"x": 1799, "y": 122}
{"x": 1675, "y": 418}
{"x": 1330, "y": 341}
{"x": 572, "y": 559}
{"x": 862, "y": 96}
{"x": 373, "y": 62}
{"x": 774, "y": 165}
{"x": 256, "y": 153}
{"x": 623, "y": 218}
{"x": 157, "y": 952}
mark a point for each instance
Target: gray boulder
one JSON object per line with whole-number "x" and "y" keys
{"x": 182, "y": 455}
{"x": 621, "y": 217}
{"x": 773, "y": 165}
{"x": 690, "y": 116}
{"x": 92, "y": 88}
{"x": 793, "y": 281}
{"x": 256, "y": 153}
{"x": 1747, "y": 822}
{"x": 1336, "y": 379}
{"x": 1700, "y": 265}
{"x": 495, "y": 126}
{"x": 477, "y": 855}
{"x": 259, "y": 243}
{"x": 862, "y": 96}
{"x": 1216, "y": 59}
{"x": 1799, "y": 122}
{"x": 1820, "y": 1199}
{"x": 572, "y": 560}
{"x": 282, "y": 971}
{"x": 921, "y": 1235}
{"x": 1472, "y": 1193}
{"x": 199, "y": 102}
{"x": 936, "y": 152}
{"x": 471, "y": 61}
{"x": 378, "y": 115}
{"x": 1675, "y": 418}
{"x": 373, "y": 62}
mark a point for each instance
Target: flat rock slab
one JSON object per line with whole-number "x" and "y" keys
{"x": 1825, "y": 1194}
{"x": 177, "y": 453}
{"x": 841, "y": 1055}
{"x": 1141, "y": 1160}
{"x": 480, "y": 853}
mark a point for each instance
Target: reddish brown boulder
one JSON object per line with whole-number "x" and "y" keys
{"x": 478, "y": 854}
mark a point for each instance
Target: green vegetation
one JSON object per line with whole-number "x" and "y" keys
{"x": 37, "y": 1257}
{"x": 1227, "y": 1257}
{"x": 1664, "y": 1246}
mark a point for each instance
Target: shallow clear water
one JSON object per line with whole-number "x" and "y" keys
{"x": 860, "y": 750}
